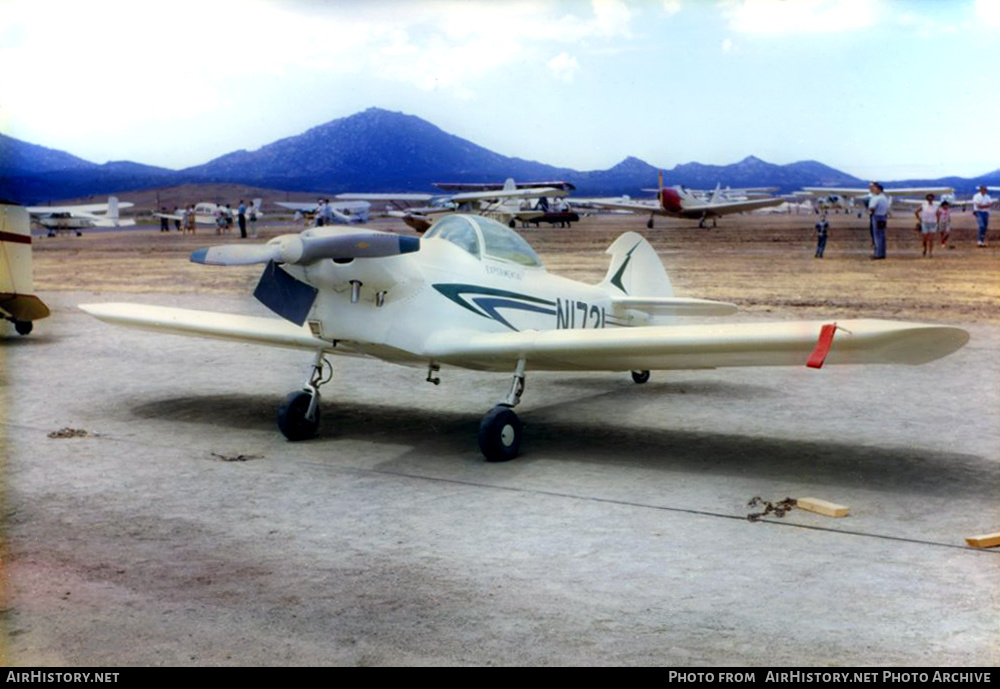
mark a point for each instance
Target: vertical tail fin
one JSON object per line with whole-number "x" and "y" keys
{"x": 636, "y": 269}
{"x": 112, "y": 208}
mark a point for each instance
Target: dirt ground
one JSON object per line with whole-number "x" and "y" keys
{"x": 763, "y": 263}
{"x": 178, "y": 528}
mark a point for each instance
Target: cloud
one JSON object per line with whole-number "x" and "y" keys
{"x": 564, "y": 67}
{"x": 728, "y": 47}
{"x": 784, "y": 16}
{"x": 671, "y": 6}
{"x": 988, "y": 12}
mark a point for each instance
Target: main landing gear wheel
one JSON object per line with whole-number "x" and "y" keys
{"x": 23, "y": 327}
{"x": 640, "y": 377}
{"x": 292, "y": 421}
{"x": 649, "y": 224}
{"x": 500, "y": 434}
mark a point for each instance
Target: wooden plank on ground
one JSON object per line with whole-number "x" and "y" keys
{"x": 823, "y": 507}
{"x": 989, "y": 540}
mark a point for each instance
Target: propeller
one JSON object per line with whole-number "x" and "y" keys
{"x": 306, "y": 248}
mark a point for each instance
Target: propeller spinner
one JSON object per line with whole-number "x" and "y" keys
{"x": 306, "y": 248}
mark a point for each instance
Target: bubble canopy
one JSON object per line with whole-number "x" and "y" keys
{"x": 482, "y": 236}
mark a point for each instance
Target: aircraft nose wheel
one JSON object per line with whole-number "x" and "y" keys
{"x": 640, "y": 377}
{"x": 500, "y": 434}
{"x": 292, "y": 421}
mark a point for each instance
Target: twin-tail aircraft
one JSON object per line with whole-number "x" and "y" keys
{"x": 471, "y": 293}
{"x": 57, "y": 219}
{"x": 17, "y": 303}
{"x": 849, "y": 198}
{"x": 678, "y": 202}
{"x": 510, "y": 202}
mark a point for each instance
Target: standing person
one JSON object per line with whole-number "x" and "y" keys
{"x": 927, "y": 214}
{"x": 878, "y": 210}
{"x": 164, "y": 221}
{"x": 320, "y": 212}
{"x": 981, "y": 203}
{"x": 327, "y": 212}
{"x": 241, "y": 217}
{"x": 220, "y": 221}
{"x": 189, "y": 218}
{"x": 229, "y": 217}
{"x": 944, "y": 222}
{"x": 822, "y": 229}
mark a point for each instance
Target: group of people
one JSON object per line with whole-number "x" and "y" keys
{"x": 224, "y": 219}
{"x": 933, "y": 219}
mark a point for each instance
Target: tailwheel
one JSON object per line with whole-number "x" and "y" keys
{"x": 500, "y": 434}
{"x": 294, "y": 419}
{"x": 23, "y": 327}
{"x": 640, "y": 377}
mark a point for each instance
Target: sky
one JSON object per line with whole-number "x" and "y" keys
{"x": 880, "y": 89}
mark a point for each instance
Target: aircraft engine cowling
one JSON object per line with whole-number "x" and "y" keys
{"x": 670, "y": 200}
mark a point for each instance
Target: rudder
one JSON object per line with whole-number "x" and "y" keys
{"x": 636, "y": 269}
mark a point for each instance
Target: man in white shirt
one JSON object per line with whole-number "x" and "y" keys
{"x": 878, "y": 209}
{"x": 981, "y": 203}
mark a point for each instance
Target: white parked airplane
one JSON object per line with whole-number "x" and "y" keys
{"x": 343, "y": 212}
{"x": 76, "y": 218}
{"x": 471, "y": 293}
{"x": 206, "y": 212}
{"x": 848, "y": 198}
{"x": 509, "y": 203}
{"x": 678, "y": 202}
{"x": 18, "y": 304}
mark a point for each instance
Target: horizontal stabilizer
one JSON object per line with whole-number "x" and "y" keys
{"x": 223, "y": 326}
{"x": 675, "y": 306}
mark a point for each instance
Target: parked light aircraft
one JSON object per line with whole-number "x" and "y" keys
{"x": 508, "y": 203}
{"x": 17, "y": 303}
{"x": 678, "y": 202}
{"x": 471, "y": 293}
{"x": 344, "y": 212}
{"x": 847, "y": 198}
{"x": 57, "y": 219}
{"x": 206, "y": 212}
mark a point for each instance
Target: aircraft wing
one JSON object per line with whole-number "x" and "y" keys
{"x": 728, "y": 207}
{"x": 858, "y": 191}
{"x": 301, "y": 206}
{"x": 697, "y": 346}
{"x": 533, "y": 193}
{"x": 224, "y": 326}
{"x": 83, "y": 211}
{"x": 620, "y": 204}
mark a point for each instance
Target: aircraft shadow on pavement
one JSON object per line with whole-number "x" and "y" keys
{"x": 439, "y": 437}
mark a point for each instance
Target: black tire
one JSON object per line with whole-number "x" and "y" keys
{"x": 292, "y": 420}
{"x": 649, "y": 224}
{"x": 23, "y": 327}
{"x": 500, "y": 434}
{"x": 640, "y": 377}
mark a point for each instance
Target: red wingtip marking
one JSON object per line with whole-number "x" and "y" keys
{"x": 818, "y": 356}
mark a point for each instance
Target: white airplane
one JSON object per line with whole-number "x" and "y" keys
{"x": 57, "y": 219}
{"x": 471, "y": 293}
{"x": 678, "y": 202}
{"x": 508, "y": 203}
{"x": 206, "y": 212}
{"x": 17, "y": 303}
{"x": 343, "y": 212}
{"x": 848, "y": 198}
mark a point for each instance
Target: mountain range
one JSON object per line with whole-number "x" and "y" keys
{"x": 380, "y": 150}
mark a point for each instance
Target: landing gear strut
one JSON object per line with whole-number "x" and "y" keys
{"x": 298, "y": 417}
{"x": 500, "y": 429}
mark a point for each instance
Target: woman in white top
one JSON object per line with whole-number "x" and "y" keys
{"x": 927, "y": 214}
